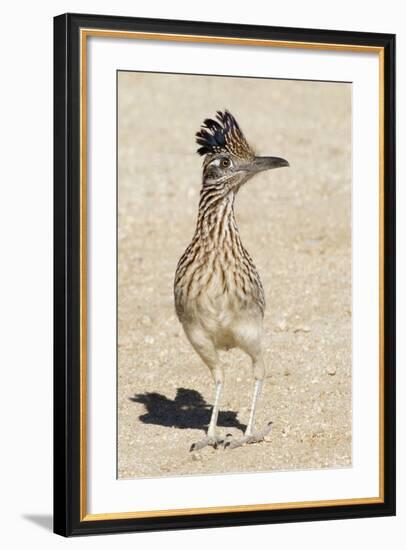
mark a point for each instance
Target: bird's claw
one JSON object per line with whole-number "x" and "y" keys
{"x": 211, "y": 441}
{"x": 249, "y": 438}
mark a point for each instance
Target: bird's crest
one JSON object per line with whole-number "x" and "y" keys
{"x": 223, "y": 135}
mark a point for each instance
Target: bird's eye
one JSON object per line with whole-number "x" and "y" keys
{"x": 225, "y": 163}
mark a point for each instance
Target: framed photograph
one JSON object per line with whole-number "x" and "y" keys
{"x": 224, "y": 274}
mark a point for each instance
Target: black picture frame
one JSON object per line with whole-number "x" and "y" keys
{"x": 68, "y": 519}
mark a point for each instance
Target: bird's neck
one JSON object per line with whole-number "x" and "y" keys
{"x": 216, "y": 223}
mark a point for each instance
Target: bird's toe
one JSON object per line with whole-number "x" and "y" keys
{"x": 215, "y": 441}
{"x": 256, "y": 437}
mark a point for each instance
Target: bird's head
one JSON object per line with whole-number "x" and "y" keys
{"x": 229, "y": 159}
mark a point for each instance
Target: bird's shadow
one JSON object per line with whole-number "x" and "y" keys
{"x": 188, "y": 410}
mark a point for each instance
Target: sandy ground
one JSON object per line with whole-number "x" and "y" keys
{"x": 296, "y": 224}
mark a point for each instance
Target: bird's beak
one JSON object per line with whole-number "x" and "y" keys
{"x": 260, "y": 164}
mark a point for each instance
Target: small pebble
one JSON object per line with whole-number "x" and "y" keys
{"x": 149, "y": 340}
{"x": 302, "y": 328}
{"x": 281, "y": 325}
{"x": 331, "y": 370}
{"x": 285, "y": 431}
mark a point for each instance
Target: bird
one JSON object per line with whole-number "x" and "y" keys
{"x": 218, "y": 294}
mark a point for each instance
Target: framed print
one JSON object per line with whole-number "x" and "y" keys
{"x": 224, "y": 341}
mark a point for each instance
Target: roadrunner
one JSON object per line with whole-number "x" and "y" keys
{"x": 219, "y": 298}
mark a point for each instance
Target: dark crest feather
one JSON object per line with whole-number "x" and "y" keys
{"x": 220, "y": 135}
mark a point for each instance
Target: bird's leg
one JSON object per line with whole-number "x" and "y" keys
{"x": 250, "y": 436}
{"x": 205, "y": 347}
{"x": 212, "y": 439}
{"x": 257, "y": 393}
{"x": 215, "y": 412}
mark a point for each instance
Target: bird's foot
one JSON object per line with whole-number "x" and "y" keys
{"x": 256, "y": 437}
{"x": 211, "y": 441}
